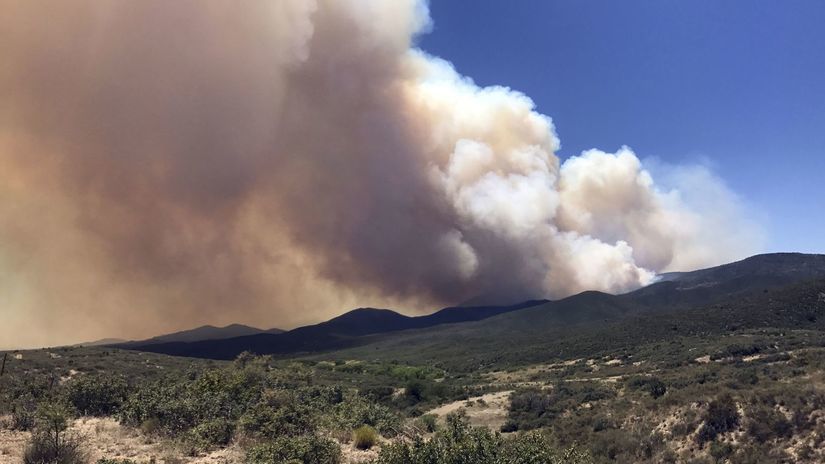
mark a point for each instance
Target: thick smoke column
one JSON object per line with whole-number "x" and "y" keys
{"x": 168, "y": 163}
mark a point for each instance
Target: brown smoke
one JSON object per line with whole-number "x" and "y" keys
{"x": 164, "y": 164}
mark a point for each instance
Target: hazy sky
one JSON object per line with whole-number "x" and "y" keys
{"x": 738, "y": 85}
{"x": 275, "y": 163}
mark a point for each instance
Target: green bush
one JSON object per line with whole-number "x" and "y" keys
{"x": 206, "y": 435}
{"x": 178, "y": 404}
{"x": 308, "y": 449}
{"x": 652, "y": 385}
{"x": 279, "y": 413}
{"x": 44, "y": 448}
{"x": 355, "y": 411}
{"x": 414, "y": 390}
{"x": 24, "y": 413}
{"x": 364, "y": 437}
{"x": 457, "y": 443}
{"x": 50, "y": 444}
{"x": 533, "y": 408}
{"x": 379, "y": 393}
{"x": 97, "y": 395}
{"x": 428, "y": 422}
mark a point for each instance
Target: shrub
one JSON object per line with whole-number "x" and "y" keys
{"x": 308, "y": 449}
{"x": 414, "y": 390}
{"x": 457, "y": 443}
{"x": 150, "y": 426}
{"x": 97, "y": 395}
{"x": 24, "y": 413}
{"x": 720, "y": 451}
{"x": 43, "y": 449}
{"x": 534, "y": 447}
{"x": 652, "y": 385}
{"x": 428, "y": 422}
{"x": 379, "y": 393}
{"x": 364, "y": 437}
{"x": 766, "y": 423}
{"x": 356, "y": 411}
{"x": 50, "y": 445}
{"x": 720, "y": 417}
{"x": 278, "y": 414}
{"x": 216, "y": 432}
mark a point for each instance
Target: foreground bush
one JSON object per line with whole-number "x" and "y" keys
{"x": 364, "y": 437}
{"x": 43, "y": 449}
{"x": 97, "y": 395}
{"x": 458, "y": 443}
{"x": 50, "y": 443}
{"x": 309, "y": 449}
{"x": 215, "y": 432}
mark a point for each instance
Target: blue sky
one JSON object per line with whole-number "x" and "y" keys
{"x": 737, "y": 85}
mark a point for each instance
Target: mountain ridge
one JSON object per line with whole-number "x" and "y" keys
{"x": 676, "y": 291}
{"x": 340, "y": 331}
{"x": 201, "y": 333}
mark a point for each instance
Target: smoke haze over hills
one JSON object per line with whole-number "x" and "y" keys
{"x": 164, "y": 164}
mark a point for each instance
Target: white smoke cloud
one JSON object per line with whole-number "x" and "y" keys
{"x": 169, "y": 163}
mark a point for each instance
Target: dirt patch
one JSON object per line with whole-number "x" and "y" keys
{"x": 353, "y": 455}
{"x": 488, "y": 410}
{"x": 106, "y": 438}
{"x": 12, "y": 445}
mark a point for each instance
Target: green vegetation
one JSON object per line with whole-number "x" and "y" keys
{"x": 458, "y": 443}
{"x": 364, "y": 437}
{"x": 308, "y": 449}
{"x": 737, "y": 380}
{"x": 50, "y": 443}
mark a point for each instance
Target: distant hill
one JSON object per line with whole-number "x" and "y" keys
{"x": 102, "y": 342}
{"x": 202, "y": 333}
{"x": 767, "y": 269}
{"x": 481, "y": 328}
{"x": 736, "y": 296}
{"x": 339, "y": 332}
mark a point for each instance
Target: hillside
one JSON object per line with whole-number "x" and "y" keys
{"x": 349, "y": 329}
{"x": 721, "y": 366}
{"x": 202, "y": 333}
{"x": 537, "y": 336}
{"x": 518, "y": 323}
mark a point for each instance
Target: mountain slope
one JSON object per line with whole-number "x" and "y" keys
{"x": 202, "y": 333}
{"x": 523, "y": 323}
{"x": 504, "y": 341}
{"x": 345, "y": 330}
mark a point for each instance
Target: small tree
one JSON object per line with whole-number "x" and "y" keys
{"x": 52, "y": 421}
{"x": 50, "y": 443}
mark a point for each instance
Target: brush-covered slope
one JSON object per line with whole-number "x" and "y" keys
{"x": 483, "y": 328}
{"x": 348, "y": 329}
{"x": 535, "y": 336}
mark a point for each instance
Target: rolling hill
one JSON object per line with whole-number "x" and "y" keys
{"x": 535, "y": 327}
{"x": 345, "y": 330}
{"x": 202, "y": 333}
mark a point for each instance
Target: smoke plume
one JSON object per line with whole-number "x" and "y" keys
{"x": 274, "y": 162}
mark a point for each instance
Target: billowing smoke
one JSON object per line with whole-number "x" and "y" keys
{"x": 274, "y": 162}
